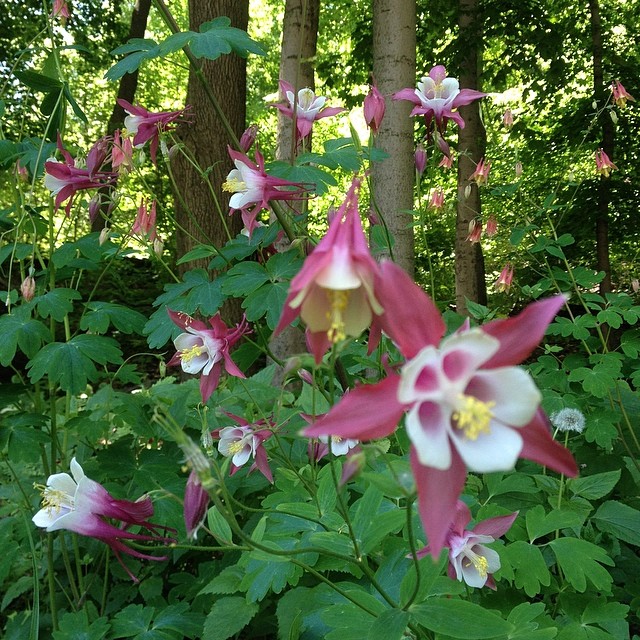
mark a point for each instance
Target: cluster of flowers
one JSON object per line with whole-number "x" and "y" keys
{"x": 466, "y": 405}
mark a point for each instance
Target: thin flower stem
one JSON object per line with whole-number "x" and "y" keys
{"x": 414, "y": 556}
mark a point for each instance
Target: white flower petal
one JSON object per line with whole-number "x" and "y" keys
{"x": 426, "y": 425}
{"x": 497, "y": 450}
{"x": 512, "y": 389}
{"x": 421, "y": 377}
{"x": 340, "y": 273}
{"x": 62, "y": 483}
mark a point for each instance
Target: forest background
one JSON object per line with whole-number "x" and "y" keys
{"x": 86, "y": 337}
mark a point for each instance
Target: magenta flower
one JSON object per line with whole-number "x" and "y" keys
{"x": 60, "y": 9}
{"x": 334, "y": 291}
{"x": 145, "y": 125}
{"x": 252, "y": 188}
{"x": 121, "y": 152}
{"x": 470, "y": 560}
{"x": 196, "y": 502}
{"x": 203, "y": 350}
{"x": 145, "y": 222}
{"x": 80, "y": 504}
{"x": 65, "y": 180}
{"x": 307, "y": 106}
{"x": 492, "y": 226}
{"x": 243, "y": 442}
{"x": 248, "y": 137}
{"x": 467, "y": 406}
{"x": 420, "y": 159}
{"x": 438, "y": 97}
{"x": 620, "y": 94}
{"x": 374, "y": 108}
{"x": 604, "y": 165}
{"x": 436, "y": 200}
{"x": 475, "y": 230}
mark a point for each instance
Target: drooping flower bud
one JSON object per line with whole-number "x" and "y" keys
{"x": 421, "y": 159}
{"x": 248, "y": 137}
{"x": 374, "y": 108}
{"x": 28, "y": 288}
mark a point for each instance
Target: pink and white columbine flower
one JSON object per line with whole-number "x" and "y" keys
{"x": 470, "y": 560}
{"x": 604, "y": 165}
{"x": 467, "y": 406}
{"x": 438, "y": 98}
{"x": 121, "y": 152}
{"x": 145, "y": 125}
{"x": 436, "y": 201}
{"x": 80, "y": 504}
{"x": 308, "y": 107}
{"x": 64, "y": 179}
{"x": 60, "y": 9}
{"x": 204, "y": 350}
{"x": 243, "y": 442}
{"x": 145, "y": 222}
{"x": 252, "y": 188}
{"x": 505, "y": 279}
{"x": 620, "y": 94}
{"x": 334, "y": 291}
{"x": 196, "y": 502}
{"x": 481, "y": 173}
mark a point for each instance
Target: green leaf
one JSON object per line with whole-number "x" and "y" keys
{"x": 19, "y": 329}
{"x": 219, "y": 526}
{"x": 596, "y": 486}
{"x": 227, "y": 581}
{"x": 268, "y": 300}
{"x": 530, "y": 569}
{"x": 244, "y": 278}
{"x": 38, "y": 81}
{"x": 217, "y": 38}
{"x": 283, "y": 266}
{"x": 101, "y": 314}
{"x": 540, "y": 523}
{"x": 75, "y": 626}
{"x": 579, "y": 561}
{"x": 56, "y": 303}
{"x": 390, "y": 625}
{"x": 308, "y": 175}
{"x": 620, "y": 520}
{"x": 227, "y": 617}
{"x": 74, "y": 105}
{"x": 22, "y": 437}
{"x": 460, "y": 619}
{"x": 597, "y": 381}
{"x": 71, "y": 364}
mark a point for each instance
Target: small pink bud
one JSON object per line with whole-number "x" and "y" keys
{"x": 248, "y": 137}
{"x": 104, "y": 235}
{"x": 158, "y": 247}
{"x": 518, "y": 169}
{"x": 305, "y": 376}
{"x": 503, "y": 283}
{"x": 94, "y": 207}
{"x": 507, "y": 119}
{"x": 374, "y": 108}
{"x": 196, "y": 502}
{"x": 492, "y": 226}
{"x": 635, "y": 285}
{"x": 421, "y": 159}
{"x": 28, "y": 288}
{"x": 21, "y": 172}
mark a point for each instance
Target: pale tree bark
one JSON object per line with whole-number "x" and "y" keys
{"x": 603, "y": 262}
{"x": 297, "y": 55}
{"x": 200, "y": 219}
{"x": 472, "y": 139}
{"x": 394, "y": 67}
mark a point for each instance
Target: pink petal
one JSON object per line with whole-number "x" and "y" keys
{"x": 438, "y": 492}
{"x": 520, "y": 335}
{"x": 407, "y": 94}
{"x": 209, "y": 383}
{"x": 540, "y": 447}
{"x": 367, "y": 412}
{"x": 318, "y": 343}
{"x": 411, "y": 319}
{"x": 495, "y": 527}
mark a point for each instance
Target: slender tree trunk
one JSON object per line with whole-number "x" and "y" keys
{"x": 604, "y": 195}
{"x": 469, "y": 262}
{"x": 394, "y": 67}
{"x": 299, "y": 45}
{"x": 202, "y": 217}
{"x": 126, "y": 91}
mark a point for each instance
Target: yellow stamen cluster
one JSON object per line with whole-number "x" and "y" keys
{"x": 478, "y": 561}
{"x": 53, "y": 499}
{"x": 339, "y": 299}
{"x": 233, "y": 185}
{"x": 236, "y": 447}
{"x": 473, "y": 416}
{"x": 187, "y": 355}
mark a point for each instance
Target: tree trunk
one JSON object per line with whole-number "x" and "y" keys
{"x": 200, "y": 219}
{"x": 299, "y": 44}
{"x": 469, "y": 261}
{"x": 602, "y": 212}
{"x": 126, "y": 91}
{"x": 394, "y": 67}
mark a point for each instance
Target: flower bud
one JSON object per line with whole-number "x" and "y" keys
{"x": 635, "y": 285}
{"x": 518, "y": 169}
{"x": 104, "y": 236}
{"x": 507, "y": 119}
{"x": 158, "y": 247}
{"x": 421, "y": 159}
{"x": 492, "y": 226}
{"x": 28, "y": 288}
{"x": 374, "y": 108}
{"x": 248, "y": 137}
{"x": 467, "y": 191}
{"x": 614, "y": 116}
